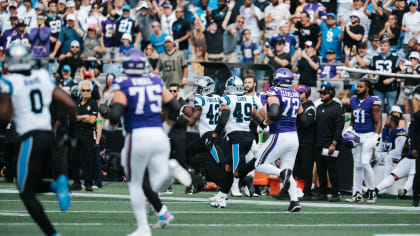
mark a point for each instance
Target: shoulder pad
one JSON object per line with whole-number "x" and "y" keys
{"x": 376, "y": 100}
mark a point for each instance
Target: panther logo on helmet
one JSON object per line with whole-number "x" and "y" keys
{"x": 234, "y": 86}
{"x": 283, "y": 77}
{"x": 204, "y": 86}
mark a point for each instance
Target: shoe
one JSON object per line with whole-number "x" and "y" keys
{"x": 61, "y": 188}
{"x": 214, "y": 198}
{"x": 264, "y": 191}
{"x": 95, "y": 187}
{"x": 199, "y": 182}
{"x": 164, "y": 218}
{"x": 234, "y": 190}
{"x": 357, "y": 197}
{"x": 372, "y": 196}
{"x": 168, "y": 191}
{"x": 321, "y": 197}
{"x": 76, "y": 187}
{"x": 179, "y": 173}
{"x": 285, "y": 175}
{"x": 334, "y": 198}
{"x": 281, "y": 196}
{"x": 141, "y": 232}
{"x": 249, "y": 188}
{"x": 306, "y": 198}
{"x": 294, "y": 206}
{"x": 89, "y": 188}
{"x": 219, "y": 203}
{"x": 401, "y": 193}
{"x": 189, "y": 190}
{"x": 415, "y": 203}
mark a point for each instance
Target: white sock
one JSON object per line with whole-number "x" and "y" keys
{"x": 386, "y": 183}
{"x": 293, "y": 189}
{"x": 163, "y": 210}
{"x": 369, "y": 176}
{"x": 358, "y": 180}
{"x": 268, "y": 169}
{"x": 138, "y": 203}
{"x": 409, "y": 183}
{"x": 235, "y": 180}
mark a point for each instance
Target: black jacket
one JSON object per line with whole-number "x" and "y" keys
{"x": 306, "y": 124}
{"x": 415, "y": 132}
{"x": 329, "y": 124}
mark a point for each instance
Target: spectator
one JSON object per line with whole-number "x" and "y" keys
{"x": 410, "y": 84}
{"x": 391, "y": 31}
{"x": 263, "y": 4}
{"x": 95, "y": 18}
{"x": 253, "y": 17}
{"x": 410, "y": 24}
{"x": 70, "y": 9}
{"x": 39, "y": 38}
{"x": 290, "y": 40}
{"x": 313, "y": 7}
{"x": 218, "y": 15}
{"x": 202, "y": 11}
{"x": 71, "y": 58}
{"x": 9, "y": 33}
{"x": 93, "y": 48}
{"x": 330, "y": 34}
{"x": 198, "y": 40}
{"x": 152, "y": 55}
{"x": 87, "y": 111}
{"x": 145, "y": 20}
{"x": 157, "y": 38}
{"x": 126, "y": 45}
{"x": 357, "y": 59}
{"x": 83, "y": 14}
{"x": 364, "y": 19}
{"x": 374, "y": 48}
{"x": 108, "y": 30}
{"x": 249, "y": 49}
{"x": 329, "y": 6}
{"x": 274, "y": 16}
{"x": 214, "y": 41}
{"x": 173, "y": 64}
{"x": 352, "y": 34}
{"x": 399, "y": 11}
{"x": 29, "y": 15}
{"x": 397, "y": 112}
{"x": 39, "y": 9}
{"x": 386, "y": 87}
{"x": 67, "y": 35}
{"x": 21, "y": 35}
{"x": 107, "y": 94}
{"x": 377, "y": 18}
{"x": 307, "y": 63}
{"x": 181, "y": 30}
{"x": 12, "y": 9}
{"x": 413, "y": 46}
{"x": 231, "y": 37}
{"x": 61, "y": 7}
{"x": 277, "y": 58}
{"x": 307, "y": 31}
{"x": 329, "y": 70}
{"x": 124, "y": 25}
{"x": 301, "y": 5}
{"x": 167, "y": 17}
{"x": 54, "y": 22}
{"x": 67, "y": 82}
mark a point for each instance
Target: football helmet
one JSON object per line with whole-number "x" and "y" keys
{"x": 204, "y": 85}
{"x": 327, "y": 88}
{"x": 234, "y": 86}
{"x": 283, "y": 77}
{"x": 350, "y": 139}
{"x": 18, "y": 57}
{"x": 135, "y": 63}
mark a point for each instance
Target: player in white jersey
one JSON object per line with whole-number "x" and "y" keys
{"x": 25, "y": 97}
{"x": 236, "y": 112}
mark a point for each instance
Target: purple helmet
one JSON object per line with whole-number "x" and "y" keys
{"x": 283, "y": 77}
{"x": 135, "y": 63}
{"x": 350, "y": 139}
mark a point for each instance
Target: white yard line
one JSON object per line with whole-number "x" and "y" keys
{"x": 250, "y": 202}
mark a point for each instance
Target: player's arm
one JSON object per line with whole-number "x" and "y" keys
{"x": 307, "y": 118}
{"x": 172, "y": 104}
{"x": 5, "y": 110}
{"x": 258, "y": 117}
{"x": 194, "y": 117}
{"x": 377, "y": 118}
{"x": 273, "y": 104}
{"x": 223, "y": 119}
{"x": 118, "y": 105}
{"x": 398, "y": 149}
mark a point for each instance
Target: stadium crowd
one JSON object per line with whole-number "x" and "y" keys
{"x": 80, "y": 40}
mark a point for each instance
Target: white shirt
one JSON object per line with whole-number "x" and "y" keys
{"x": 250, "y": 21}
{"x": 30, "y": 19}
{"x": 275, "y": 14}
{"x": 210, "y": 112}
{"x": 411, "y": 21}
{"x": 166, "y": 23}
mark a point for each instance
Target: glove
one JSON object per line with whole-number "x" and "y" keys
{"x": 209, "y": 142}
{"x": 376, "y": 140}
{"x": 263, "y": 125}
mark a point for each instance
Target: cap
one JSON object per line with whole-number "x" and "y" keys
{"x": 13, "y": 4}
{"x": 92, "y": 27}
{"x": 396, "y": 108}
{"x": 126, "y": 7}
{"x": 169, "y": 39}
{"x": 39, "y": 6}
{"x": 143, "y": 4}
{"x": 282, "y": 23}
{"x": 355, "y": 13}
{"x": 70, "y": 17}
{"x": 167, "y": 5}
{"x": 211, "y": 21}
{"x": 412, "y": 2}
{"x": 331, "y": 51}
{"x": 414, "y": 54}
{"x": 75, "y": 43}
{"x": 70, "y": 4}
{"x": 62, "y": 2}
{"x": 308, "y": 43}
{"x": 66, "y": 68}
{"x": 21, "y": 22}
{"x": 87, "y": 74}
{"x": 302, "y": 88}
{"x": 332, "y": 14}
{"x": 362, "y": 45}
{"x": 126, "y": 36}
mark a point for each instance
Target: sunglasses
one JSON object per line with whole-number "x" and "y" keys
{"x": 85, "y": 90}
{"x": 375, "y": 40}
{"x": 173, "y": 91}
{"x": 241, "y": 22}
{"x": 149, "y": 48}
{"x": 353, "y": 16}
{"x": 179, "y": 11}
{"x": 155, "y": 25}
{"x": 74, "y": 47}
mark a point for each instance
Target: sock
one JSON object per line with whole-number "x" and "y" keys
{"x": 293, "y": 189}
{"x": 235, "y": 180}
{"x": 386, "y": 183}
{"x": 163, "y": 210}
{"x": 369, "y": 176}
{"x": 409, "y": 183}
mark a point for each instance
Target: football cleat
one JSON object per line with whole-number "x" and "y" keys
{"x": 220, "y": 202}
{"x": 357, "y": 197}
{"x": 294, "y": 206}
{"x": 164, "y": 218}
{"x": 234, "y": 190}
{"x": 61, "y": 188}
{"x": 335, "y": 198}
{"x": 179, "y": 173}
{"x": 401, "y": 193}
{"x": 285, "y": 175}
{"x": 372, "y": 196}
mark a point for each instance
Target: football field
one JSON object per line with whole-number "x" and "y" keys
{"x": 108, "y": 211}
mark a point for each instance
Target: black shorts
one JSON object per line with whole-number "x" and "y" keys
{"x": 33, "y": 159}
{"x": 235, "y": 147}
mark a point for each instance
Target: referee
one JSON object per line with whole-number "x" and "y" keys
{"x": 329, "y": 125}
{"x": 415, "y": 145}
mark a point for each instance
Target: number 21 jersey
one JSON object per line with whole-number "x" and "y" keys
{"x": 362, "y": 112}
{"x": 31, "y": 98}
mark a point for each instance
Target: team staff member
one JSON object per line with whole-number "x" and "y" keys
{"x": 178, "y": 130}
{"x": 329, "y": 126}
{"x": 415, "y": 145}
{"x": 306, "y": 133}
{"x": 87, "y": 111}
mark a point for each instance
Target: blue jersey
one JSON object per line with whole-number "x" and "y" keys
{"x": 158, "y": 43}
{"x": 328, "y": 71}
{"x": 388, "y": 138}
{"x": 289, "y": 107}
{"x": 144, "y": 101}
{"x": 330, "y": 40}
{"x": 362, "y": 112}
{"x": 248, "y": 52}
{"x": 289, "y": 43}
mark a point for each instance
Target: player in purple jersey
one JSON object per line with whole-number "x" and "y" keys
{"x": 138, "y": 98}
{"x": 283, "y": 107}
{"x": 366, "y": 121}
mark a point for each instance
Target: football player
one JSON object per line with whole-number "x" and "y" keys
{"x": 139, "y": 98}
{"x": 283, "y": 107}
{"x": 235, "y": 117}
{"x": 366, "y": 122}
{"x": 25, "y": 97}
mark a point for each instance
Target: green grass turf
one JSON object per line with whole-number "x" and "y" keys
{"x": 193, "y": 218}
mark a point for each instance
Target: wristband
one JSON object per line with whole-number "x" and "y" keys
{"x": 99, "y": 121}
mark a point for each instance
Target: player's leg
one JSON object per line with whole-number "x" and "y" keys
{"x": 367, "y": 168}
{"x": 357, "y": 175}
{"x": 270, "y": 152}
{"x": 227, "y": 164}
{"x": 388, "y": 165}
